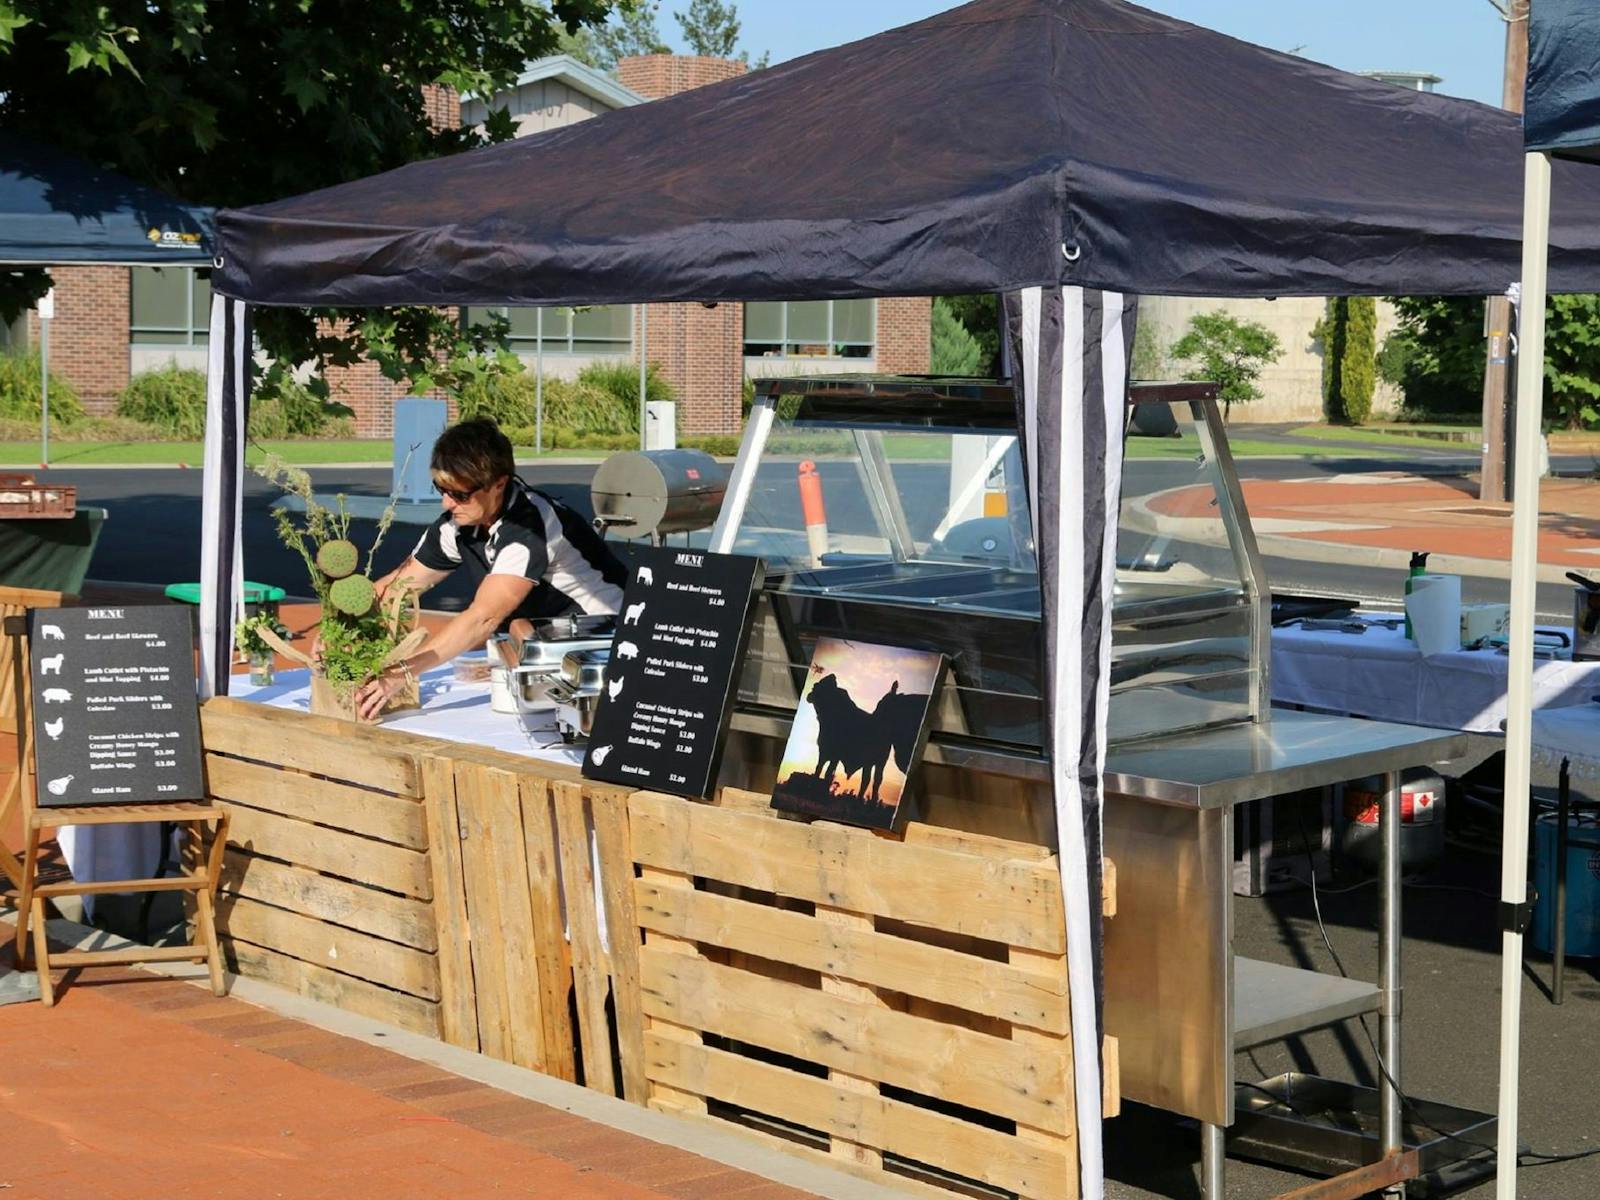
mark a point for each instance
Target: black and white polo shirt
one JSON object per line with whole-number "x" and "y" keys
{"x": 533, "y": 538}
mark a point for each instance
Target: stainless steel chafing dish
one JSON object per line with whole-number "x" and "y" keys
{"x": 538, "y": 663}
{"x": 929, "y": 541}
{"x": 576, "y": 694}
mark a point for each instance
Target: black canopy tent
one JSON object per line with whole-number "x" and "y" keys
{"x": 1066, "y": 153}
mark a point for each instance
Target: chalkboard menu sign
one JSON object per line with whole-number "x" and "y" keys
{"x": 115, "y": 719}
{"x": 670, "y": 682}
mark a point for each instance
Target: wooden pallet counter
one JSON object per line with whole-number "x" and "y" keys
{"x": 897, "y": 1006}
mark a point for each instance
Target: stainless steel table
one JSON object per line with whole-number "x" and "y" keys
{"x": 1177, "y": 999}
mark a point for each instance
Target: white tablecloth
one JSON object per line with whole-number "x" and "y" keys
{"x": 1569, "y": 733}
{"x": 1381, "y": 675}
{"x": 451, "y": 710}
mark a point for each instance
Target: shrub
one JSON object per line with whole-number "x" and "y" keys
{"x": 1348, "y": 333}
{"x": 1228, "y": 352}
{"x": 295, "y": 412}
{"x": 722, "y": 445}
{"x": 19, "y": 392}
{"x": 171, "y": 399}
{"x": 953, "y": 350}
{"x": 620, "y": 379}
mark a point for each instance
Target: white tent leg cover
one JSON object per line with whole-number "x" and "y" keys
{"x": 221, "y": 553}
{"x": 1071, "y": 350}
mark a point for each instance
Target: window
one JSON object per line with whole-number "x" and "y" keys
{"x": 168, "y": 306}
{"x": 602, "y": 329}
{"x": 810, "y": 328}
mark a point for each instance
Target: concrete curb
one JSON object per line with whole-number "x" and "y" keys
{"x": 729, "y": 1149}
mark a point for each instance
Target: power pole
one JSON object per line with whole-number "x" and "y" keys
{"x": 1497, "y": 376}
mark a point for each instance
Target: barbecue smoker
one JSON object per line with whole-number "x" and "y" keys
{"x": 925, "y": 539}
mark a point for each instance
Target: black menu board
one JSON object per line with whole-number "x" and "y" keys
{"x": 670, "y": 682}
{"x": 115, "y": 719}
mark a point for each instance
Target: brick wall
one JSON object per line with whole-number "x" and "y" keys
{"x": 89, "y": 333}
{"x": 903, "y": 335}
{"x": 658, "y": 75}
{"x": 443, "y": 106}
{"x": 700, "y": 351}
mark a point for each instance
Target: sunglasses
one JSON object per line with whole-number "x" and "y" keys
{"x": 459, "y": 497}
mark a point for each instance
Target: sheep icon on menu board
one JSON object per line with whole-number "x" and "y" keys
{"x": 614, "y": 688}
{"x": 51, "y": 665}
{"x": 627, "y": 650}
{"x": 632, "y": 614}
{"x": 56, "y": 695}
{"x": 58, "y": 787}
{"x": 646, "y": 576}
{"x": 54, "y": 728}
{"x": 52, "y": 633}
{"x": 599, "y": 755}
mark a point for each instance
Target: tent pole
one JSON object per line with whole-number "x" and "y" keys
{"x": 538, "y": 381}
{"x": 644, "y": 359}
{"x": 1519, "y": 692}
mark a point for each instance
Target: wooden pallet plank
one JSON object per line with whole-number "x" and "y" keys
{"x": 338, "y": 949}
{"x": 960, "y": 1147}
{"x": 867, "y": 1154}
{"x": 551, "y": 955}
{"x": 500, "y": 799}
{"x": 938, "y": 836}
{"x": 927, "y": 1057}
{"x": 342, "y": 991}
{"x": 378, "y": 864}
{"x": 396, "y": 819}
{"x": 591, "y": 974}
{"x": 660, "y": 1093}
{"x": 367, "y": 757}
{"x": 897, "y": 964}
{"x": 458, "y": 1011}
{"x": 1014, "y": 902}
{"x": 1055, "y": 1049}
{"x": 609, "y": 807}
{"x": 382, "y": 914}
{"x": 484, "y": 919}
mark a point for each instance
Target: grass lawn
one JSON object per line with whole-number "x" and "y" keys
{"x": 1188, "y": 447}
{"x": 189, "y": 454}
{"x": 1384, "y": 437}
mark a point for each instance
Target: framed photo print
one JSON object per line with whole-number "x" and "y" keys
{"x": 858, "y": 733}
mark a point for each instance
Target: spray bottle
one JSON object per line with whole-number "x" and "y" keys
{"x": 1419, "y": 566}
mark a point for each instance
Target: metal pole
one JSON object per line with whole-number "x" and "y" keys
{"x": 1213, "y": 1160}
{"x": 1558, "y": 978}
{"x": 538, "y": 381}
{"x": 1390, "y": 1132}
{"x": 644, "y": 359}
{"x": 44, "y": 391}
{"x": 1519, "y": 681}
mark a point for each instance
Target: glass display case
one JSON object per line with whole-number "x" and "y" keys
{"x": 895, "y": 510}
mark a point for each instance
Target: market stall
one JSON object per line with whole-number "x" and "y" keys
{"x": 1174, "y": 161}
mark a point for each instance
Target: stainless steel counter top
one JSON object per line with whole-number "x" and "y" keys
{"x": 1220, "y": 767}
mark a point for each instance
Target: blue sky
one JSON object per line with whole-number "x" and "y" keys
{"x": 1462, "y": 40}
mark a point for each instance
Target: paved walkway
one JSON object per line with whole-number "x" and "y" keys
{"x": 138, "y": 1087}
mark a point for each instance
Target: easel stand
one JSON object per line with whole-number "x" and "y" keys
{"x": 199, "y": 878}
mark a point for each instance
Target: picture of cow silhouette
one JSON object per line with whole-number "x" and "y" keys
{"x": 852, "y": 740}
{"x": 51, "y": 633}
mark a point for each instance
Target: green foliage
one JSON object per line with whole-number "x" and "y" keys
{"x": 219, "y": 102}
{"x": 630, "y": 31}
{"x": 338, "y": 558}
{"x": 602, "y": 401}
{"x": 296, "y": 413}
{"x": 711, "y": 28}
{"x": 720, "y": 445}
{"x": 170, "y": 398}
{"x": 352, "y": 595}
{"x": 620, "y": 379}
{"x": 954, "y": 351}
{"x": 20, "y": 375}
{"x": 1572, "y": 361}
{"x": 1357, "y": 375}
{"x": 1229, "y": 352}
{"x": 979, "y": 315}
{"x": 354, "y": 648}
{"x": 247, "y": 633}
{"x": 1438, "y": 353}
{"x": 1149, "y": 359}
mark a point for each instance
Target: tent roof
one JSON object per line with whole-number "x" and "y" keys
{"x": 1563, "y": 93}
{"x": 1002, "y": 144}
{"x": 55, "y": 208}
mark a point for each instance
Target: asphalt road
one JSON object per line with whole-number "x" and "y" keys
{"x": 153, "y": 534}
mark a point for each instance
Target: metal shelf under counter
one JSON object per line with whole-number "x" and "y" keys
{"x": 1271, "y": 1001}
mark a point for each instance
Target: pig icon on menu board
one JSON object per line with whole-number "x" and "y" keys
{"x": 56, "y": 695}
{"x": 627, "y": 650}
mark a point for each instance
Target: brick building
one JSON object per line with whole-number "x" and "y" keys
{"x": 113, "y": 322}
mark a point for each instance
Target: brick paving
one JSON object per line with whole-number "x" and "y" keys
{"x": 139, "y": 1086}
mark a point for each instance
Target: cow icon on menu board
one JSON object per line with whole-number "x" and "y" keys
{"x": 646, "y": 576}
{"x": 54, "y": 728}
{"x": 56, "y": 695}
{"x": 632, "y": 614}
{"x": 51, "y": 633}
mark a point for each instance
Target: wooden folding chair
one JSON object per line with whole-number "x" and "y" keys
{"x": 199, "y": 877}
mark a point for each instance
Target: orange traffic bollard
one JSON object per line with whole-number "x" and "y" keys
{"x": 811, "y": 508}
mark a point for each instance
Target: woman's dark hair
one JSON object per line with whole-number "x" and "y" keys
{"x": 473, "y": 454}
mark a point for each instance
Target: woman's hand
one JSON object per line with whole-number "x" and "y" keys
{"x": 373, "y": 695}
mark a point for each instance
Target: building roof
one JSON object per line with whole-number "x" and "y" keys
{"x": 580, "y": 77}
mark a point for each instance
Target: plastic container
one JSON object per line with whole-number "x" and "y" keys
{"x": 1583, "y": 885}
{"x": 471, "y": 666}
{"x": 258, "y": 597}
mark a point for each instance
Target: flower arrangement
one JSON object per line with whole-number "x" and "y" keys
{"x": 358, "y": 634}
{"x": 247, "y": 637}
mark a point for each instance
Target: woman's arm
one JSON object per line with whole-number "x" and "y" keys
{"x": 497, "y": 598}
